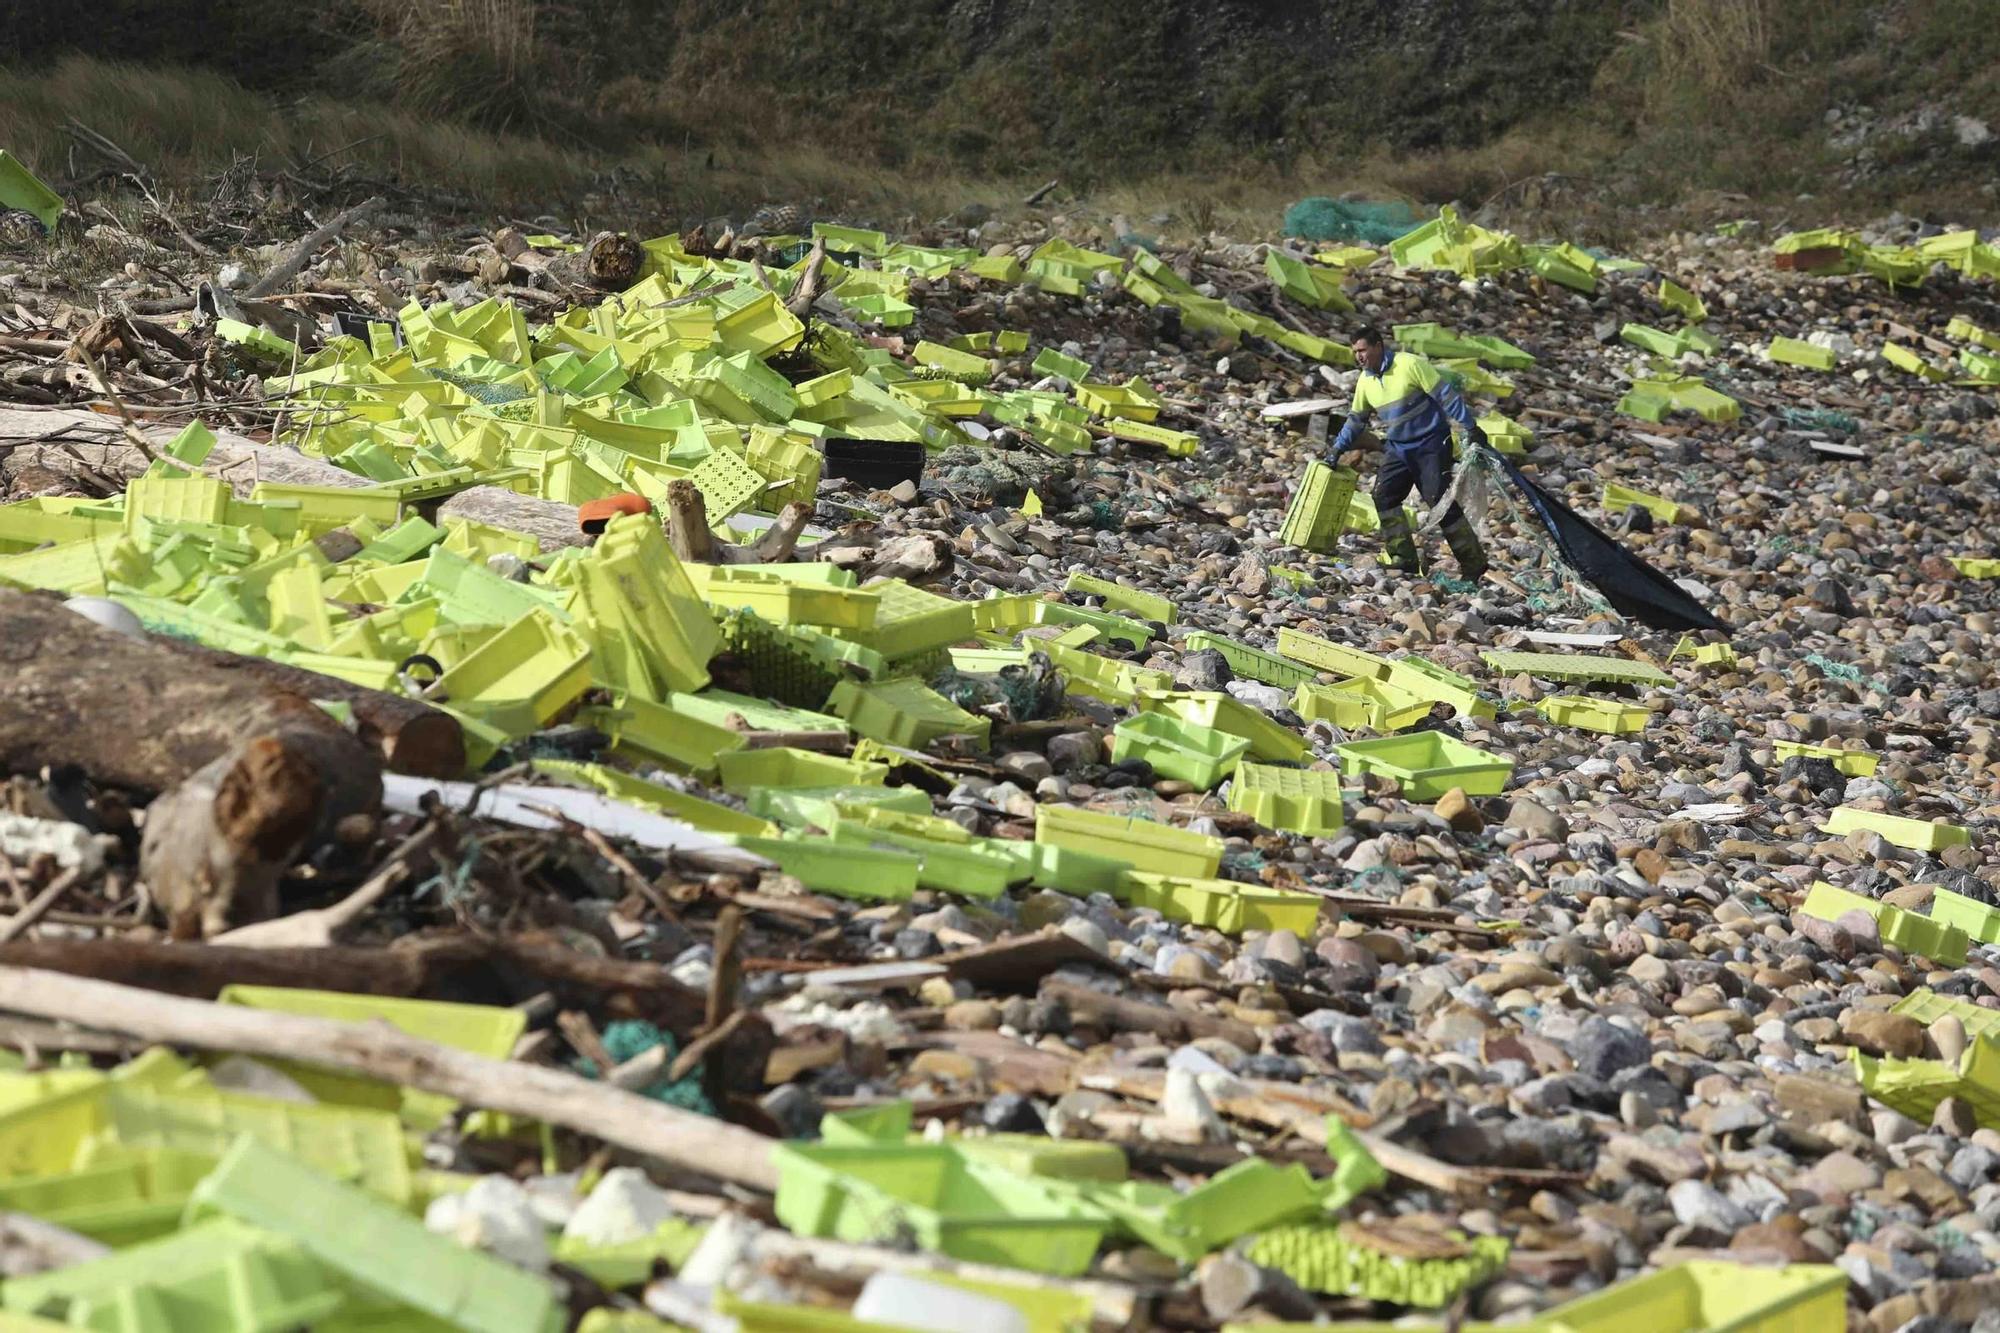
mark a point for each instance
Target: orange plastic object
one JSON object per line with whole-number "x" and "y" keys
{"x": 592, "y": 515}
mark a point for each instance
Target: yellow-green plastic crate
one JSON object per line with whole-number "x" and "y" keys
{"x": 375, "y": 1247}
{"x": 1909, "y": 932}
{"x": 933, "y": 1195}
{"x": 1139, "y": 843}
{"x": 1970, "y": 915}
{"x": 20, "y": 188}
{"x": 1851, "y": 763}
{"x": 1112, "y": 680}
{"x": 1428, "y": 764}
{"x": 784, "y": 601}
{"x": 905, "y": 712}
{"x": 910, "y": 621}
{"x": 1920, "y": 835}
{"x": 946, "y": 867}
{"x": 522, "y": 677}
{"x": 1221, "y": 904}
{"x": 1708, "y": 1297}
{"x": 1330, "y": 656}
{"x": 706, "y": 815}
{"x": 1199, "y": 755}
{"x": 1361, "y": 701}
{"x": 1579, "y": 667}
{"x": 1798, "y": 352}
{"x": 745, "y": 771}
{"x": 1618, "y": 498}
{"x": 1118, "y": 597}
{"x": 120, "y": 1196}
{"x": 219, "y": 1275}
{"x": 1250, "y": 662}
{"x": 1318, "y": 512}
{"x": 845, "y": 870}
{"x": 1269, "y": 738}
{"x": 1292, "y": 800}
{"x": 1428, "y": 680}
{"x": 481, "y": 1029}
{"x": 663, "y": 733}
{"x": 1608, "y": 716}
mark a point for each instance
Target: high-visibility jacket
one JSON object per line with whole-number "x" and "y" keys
{"x": 1414, "y": 398}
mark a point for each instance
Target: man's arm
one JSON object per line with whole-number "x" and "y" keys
{"x": 1444, "y": 390}
{"x": 1357, "y": 421}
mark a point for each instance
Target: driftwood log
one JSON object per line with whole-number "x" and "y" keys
{"x": 691, "y": 538}
{"x": 39, "y": 445}
{"x": 411, "y": 736}
{"x": 683, "y": 1139}
{"x": 248, "y": 776}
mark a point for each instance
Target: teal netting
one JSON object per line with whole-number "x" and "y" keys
{"x": 1373, "y": 223}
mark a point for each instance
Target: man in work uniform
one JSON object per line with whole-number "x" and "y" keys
{"x": 1414, "y": 399}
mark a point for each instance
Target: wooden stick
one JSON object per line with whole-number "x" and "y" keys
{"x": 308, "y": 245}
{"x": 318, "y": 927}
{"x": 680, "y": 1139}
{"x": 39, "y": 906}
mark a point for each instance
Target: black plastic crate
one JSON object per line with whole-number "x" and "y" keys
{"x": 876, "y": 464}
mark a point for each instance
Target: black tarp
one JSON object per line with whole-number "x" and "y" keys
{"x": 1633, "y": 587}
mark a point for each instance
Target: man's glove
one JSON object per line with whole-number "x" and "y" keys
{"x": 1333, "y": 459}
{"x": 1476, "y": 436}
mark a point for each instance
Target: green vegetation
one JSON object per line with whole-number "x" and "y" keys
{"x": 1209, "y": 112}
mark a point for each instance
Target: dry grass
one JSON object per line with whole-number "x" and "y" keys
{"x": 1717, "y": 46}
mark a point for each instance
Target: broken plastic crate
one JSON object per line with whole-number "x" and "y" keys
{"x": 1195, "y": 754}
{"x": 1608, "y": 716}
{"x": 706, "y": 815}
{"x": 1428, "y": 764}
{"x": 932, "y": 1195}
{"x": 1318, "y": 512}
{"x": 1576, "y": 667}
{"x": 1906, "y": 930}
{"x": 1915, "y": 1087}
{"x": 1850, "y": 763}
{"x": 1361, "y": 701}
{"x": 957, "y": 867}
{"x": 116, "y": 1195}
{"x": 1919, "y": 835}
{"x": 1269, "y": 739}
{"x": 1139, "y": 843}
{"x": 374, "y": 1246}
{"x": 1291, "y": 800}
{"x": 905, "y": 712}
{"x": 745, "y": 771}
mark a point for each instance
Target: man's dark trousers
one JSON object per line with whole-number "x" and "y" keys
{"x": 1427, "y": 467}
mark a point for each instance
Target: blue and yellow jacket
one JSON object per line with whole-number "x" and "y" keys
{"x": 1414, "y": 399}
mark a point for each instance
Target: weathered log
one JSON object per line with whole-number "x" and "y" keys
{"x": 411, "y": 736}
{"x": 682, "y": 1139}
{"x": 249, "y": 777}
{"x": 130, "y": 712}
{"x": 453, "y": 965}
{"x": 301, "y": 251}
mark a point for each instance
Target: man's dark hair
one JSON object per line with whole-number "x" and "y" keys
{"x": 1369, "y": 334}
